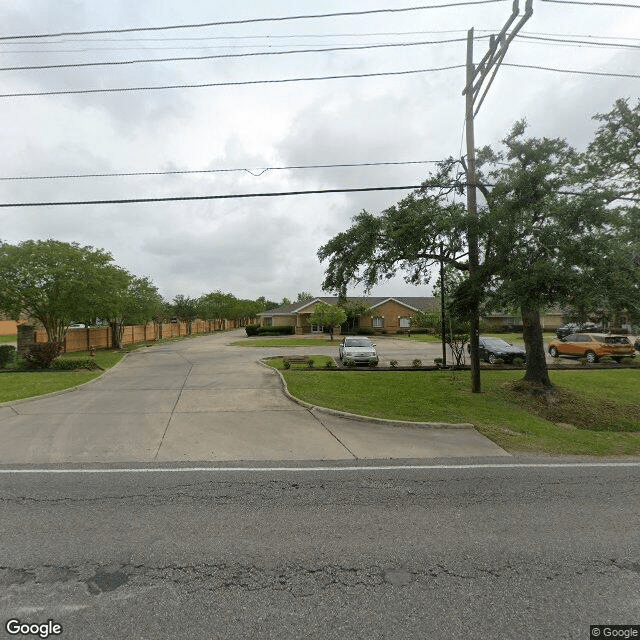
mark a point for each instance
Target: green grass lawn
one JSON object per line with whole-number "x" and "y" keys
{"x": 8, "y": 339}
{"x": 593, "y": 413}
{"x": 15, "y": 385}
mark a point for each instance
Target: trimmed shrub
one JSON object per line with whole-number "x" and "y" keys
{"x": 276, "y": 331}
{"x": 43, "y": 354}
{"x": 498, "y": 361}
{"x": 330, "y": 364}
{"x": 607, "y": 360}
{"x": 310, "y": 363}
{"x": 438, "y": 360}
{"x": 393, "y": 363}
{"x": 417, "y": 362}
{"x": 626, "y": 361}
{"x": 364, "y": 332}
{"x": 252, "y": 329}
{"x": 286, "y": 364}
{"x": 350, "y": 363}
{"x": 518, "y": 362}
{"x": 7, "y": 354}
{"x": 70, "y": 364}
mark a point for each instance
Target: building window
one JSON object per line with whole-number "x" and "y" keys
{"x": 405, "y": 322}
{"x": 377, "y": 322}
{"x": 268, "y": 322}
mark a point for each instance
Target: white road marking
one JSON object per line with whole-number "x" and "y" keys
{"x": 417, "y": 467}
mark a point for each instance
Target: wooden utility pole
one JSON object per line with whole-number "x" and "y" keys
{"x": 443, "y": 323}
{"x": 476, "y": 75}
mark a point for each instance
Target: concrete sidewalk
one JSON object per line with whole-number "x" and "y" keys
{"x": 203, "y": 400}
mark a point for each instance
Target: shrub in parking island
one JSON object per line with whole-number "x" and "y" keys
{"x": 252, "y": 329}
{"x": 7, "y": 354}
{"x": 310, "y": 363}
{"x": 41, "y": 355}
{"x": 417, "y": 363}
{"x": 393, "y": 363}
{"x": 71, "y": 364}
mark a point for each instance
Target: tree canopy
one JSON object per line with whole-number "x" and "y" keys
{"x": 58, "y": 283}
{"x": 542, "y": 229}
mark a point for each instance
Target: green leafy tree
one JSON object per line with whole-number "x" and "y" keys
{"x": 185, "y": 309}
{"x": 58, "y": 283}
{"x": 328, "y": 316}
{"x": 612, "y": 286}
{"x": 217, "y": 306}
{"x": 139, "y": 303}
{"x": 304, "y": 296}
{"x": 536, "y": 241}
{"x": 354, "y": 309}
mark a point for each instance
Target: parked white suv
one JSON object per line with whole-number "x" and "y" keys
{"x": 359, "y": 350}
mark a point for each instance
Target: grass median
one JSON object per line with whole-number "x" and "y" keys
{"x": 590, "y": 413}
{"x": 17, "y": 385}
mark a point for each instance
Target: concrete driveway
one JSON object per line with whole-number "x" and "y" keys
{"x": 204, "y": 400}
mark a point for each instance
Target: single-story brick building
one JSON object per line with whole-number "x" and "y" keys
{"x": 385, "y": 314}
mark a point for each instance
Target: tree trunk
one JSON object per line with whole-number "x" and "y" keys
{"x": 117, "y": 330}
{"x": 534, "y": 344}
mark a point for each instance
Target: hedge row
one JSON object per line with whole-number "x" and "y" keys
{"x": 70, "y": 364}
{"x": 257, "y": 330}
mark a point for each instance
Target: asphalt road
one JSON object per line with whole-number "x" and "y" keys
{"x": 503, "y": 552}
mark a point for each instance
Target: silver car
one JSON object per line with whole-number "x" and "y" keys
{"x": 359, "y": 350}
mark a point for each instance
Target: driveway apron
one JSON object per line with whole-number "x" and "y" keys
{"x": 204, "y": 400}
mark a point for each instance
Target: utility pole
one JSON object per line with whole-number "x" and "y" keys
{"x": 443, "y": 323}
{"x": 476, "y": 75}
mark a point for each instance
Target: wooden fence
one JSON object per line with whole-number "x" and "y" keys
{"x": 100, "y": 337}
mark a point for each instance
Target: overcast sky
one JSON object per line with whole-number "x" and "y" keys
{"x": 267, "y": 246}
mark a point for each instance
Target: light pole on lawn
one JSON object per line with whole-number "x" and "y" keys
{"x": 476, "y": 75}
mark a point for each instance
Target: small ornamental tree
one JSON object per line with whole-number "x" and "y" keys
{"x": 328, "y": 316}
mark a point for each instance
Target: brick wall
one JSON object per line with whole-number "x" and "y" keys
{"x": 390, "y": 312}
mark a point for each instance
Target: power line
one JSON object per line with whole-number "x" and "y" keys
{"x": 227, "y": 84}
{"x": 575, "y": 71}
{"x": 236, "y": 55}
{"x": 306, "y": 79}
{"x": 260, "y": 170}
{"x": 211, "y": 197}
{"x": 595, "y": 4}
{"x": 250, "y": 20}
{"x": 253, "y": 195}
{"x": 619, "y": 45}
{"x": 272, "y": 37}
{"x": 297, "y": 51}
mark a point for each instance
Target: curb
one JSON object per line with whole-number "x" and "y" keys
{"x": 356, "y": 417}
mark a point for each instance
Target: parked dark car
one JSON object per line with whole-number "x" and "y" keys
{"x": 636, "y": 344}
{"x": 576, "y": 327}
{"x": 492, "y": 348}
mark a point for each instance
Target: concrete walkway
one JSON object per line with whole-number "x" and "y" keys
{"x": 204, "y": 400}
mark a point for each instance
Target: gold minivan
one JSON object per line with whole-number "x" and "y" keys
{"x": 592, "y": 346}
